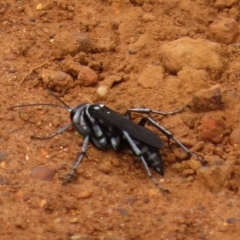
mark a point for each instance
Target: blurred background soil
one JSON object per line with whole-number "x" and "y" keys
{"x": 126, "y": 53}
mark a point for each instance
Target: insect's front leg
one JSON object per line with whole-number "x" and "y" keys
{"x": 80, "y": 158}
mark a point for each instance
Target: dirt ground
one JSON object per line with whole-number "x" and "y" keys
{"x": 158, "y": 54}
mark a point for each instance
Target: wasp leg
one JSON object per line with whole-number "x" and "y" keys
{"x": 75, "y": 165}
{"x": 138, "y": 153}
{"x": 169, "y": 135}
{"x": 151, "y": 177}
{"x": 60, "y": 130}
{"x": 149, "y": 111}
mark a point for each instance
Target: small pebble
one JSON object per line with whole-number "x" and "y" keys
{"x": 4, "y": 181}
{"x": 43, "y": 172}
{"x": 56, "y": 80}
{"x": 190, "y": 179}
{"x": 84, "y": 194}
{"x": 70, "y": 43}
{"x": 96, "y": 66}
{"x": 39, "y": 6}
{"x": 187, "y": 172}
{"x": 214, "y": 159}
{"x": 123, "y": 211}
{"x": 131, "y": 200}
{"x": 235, "y": 136}
{"x": 2, "y": 155}
{"x": 188, "y": 52}
{"x": 189, "y": 119}
{"x": 212, "y": 128}
{"x": 148, "y": 17}
{"x": 208, "y": 148}
{"x": 73, "y": 220}
{"x": 12, "y": 70}
{"x": 3, "y": 165}
{"x": 71, "y": 203}
{"x": 112, "y": 80}
{"x": 105, "y": 167}
{"x": 171, "y": 158}
{"x": 219, "y": 150}
{"x": 115, "y": 162}
{"x": 177, "y": 167}
{"x": 57, "y": 220}
{"x": 132, "y": 50}
{"x": 231, "y": 220}
{"x": 188, "y": 142}
{"x": 153, "y": 192}
{"x": 201, "y": 208}
{"x": 213, "y": 177}
{"x": 43, "y": 203}
{"x": 87, "y": 76}
{"x": 32, "y": 19}
{"x": 115, "y": 24}
{"x": 151, "y": 76}
{"x": 86, "y": 174}
{"x": 80, "y": 237}
{"x": 197, "y": 147}
{"x": 146, "y": 200}
{"x": 224, "y": 30}
{"x": 146, "y": 7}
{"x": 102, "y": 91}
{"x": 194, "y": 164}
{"x": 20, "y": 222}
{"x": 19, "y": 194}
{"x": 208, "y": 99}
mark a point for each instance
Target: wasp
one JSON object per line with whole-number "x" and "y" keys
{"x": 104, "y": 128}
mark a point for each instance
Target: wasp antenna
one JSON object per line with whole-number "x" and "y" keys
{"x": 60, "y": 100}
{"x": 60, "y": 130}
{"x": 88, "y": 99}
{"x": 38, "y": 104}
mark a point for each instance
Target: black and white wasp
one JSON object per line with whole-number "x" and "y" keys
{"x": 106, "y": 128}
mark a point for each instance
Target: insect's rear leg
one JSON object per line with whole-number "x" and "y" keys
{"x": 80, "y": 158}
{"x": 169, "y": 135}
{"x": 138, "y": 153}
{"x": 149, "y": 111}
{"x": 151, "y": 177}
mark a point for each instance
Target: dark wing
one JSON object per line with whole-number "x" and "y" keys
{"x": 134, "y": 130}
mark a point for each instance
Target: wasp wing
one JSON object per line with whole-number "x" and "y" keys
{"x": 119, "y": 121}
